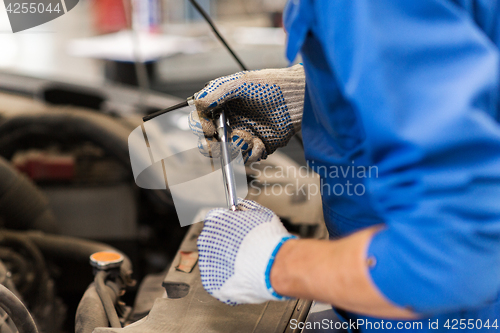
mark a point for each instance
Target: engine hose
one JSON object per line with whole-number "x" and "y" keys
{"x": 71, "y": 248}
{"x": 16, "y": 240}
{"x": 22, "y": 204}
{"x": 7, "y": 281}
{"x": 19, "y": 265}
{"x": 16, "y": 311}
{"x": 107, "y": 301}
{"x": 90, "y": 312}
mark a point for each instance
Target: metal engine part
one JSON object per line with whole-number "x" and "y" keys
{"x": 6, "y": 323}
{"x": 27, "y": 276}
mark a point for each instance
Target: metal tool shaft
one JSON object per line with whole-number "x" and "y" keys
{"x": 226, "y": 166}
{"x": 187, "y": 102}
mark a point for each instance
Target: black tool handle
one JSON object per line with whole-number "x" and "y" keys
{"x": 159, "y": 113}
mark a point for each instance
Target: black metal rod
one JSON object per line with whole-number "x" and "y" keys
{"x": 212, "y": 25}
{"x": 169, "y": 109}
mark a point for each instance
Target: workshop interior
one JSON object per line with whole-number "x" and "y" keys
{"x": 90, "y": 241}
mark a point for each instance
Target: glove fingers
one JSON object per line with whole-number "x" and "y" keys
{"x": 256, "y": 153}
{"x": 217, "y": 92}
{"x": 252, "y": 148}
{"x": 214, "y": 213}
{"x": 200, "y": 125}
{"x": 241, "y": 140}
{"x": 245, "y": 205}
{"x": 209, "y": 147}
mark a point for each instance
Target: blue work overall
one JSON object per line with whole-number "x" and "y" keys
{"x": 401, "y": 122}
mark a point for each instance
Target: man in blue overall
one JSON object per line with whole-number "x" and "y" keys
{"x": 409, "y": 87}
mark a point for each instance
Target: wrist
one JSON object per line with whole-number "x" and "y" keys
{"x": 278, "y": 275}
{"x": 286, "y": 239}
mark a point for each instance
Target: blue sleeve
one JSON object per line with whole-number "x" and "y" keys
{"x": 423, "y": 79}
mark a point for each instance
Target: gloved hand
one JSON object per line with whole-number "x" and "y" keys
{"x": 265, "y": 110}
{"x": 236, "y": 253}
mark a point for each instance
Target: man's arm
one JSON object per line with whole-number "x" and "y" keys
{"x": 247, "y": 256}
{"x": 334, "y": 272}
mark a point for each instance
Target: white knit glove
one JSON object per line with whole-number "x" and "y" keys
{"x": 265, "y": 110}
{"x": 236, "y": 253}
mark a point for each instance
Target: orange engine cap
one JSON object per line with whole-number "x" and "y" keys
{"x": 106, "y": 260}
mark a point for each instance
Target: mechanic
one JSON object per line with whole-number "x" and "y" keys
{"x": 409, "y": 87}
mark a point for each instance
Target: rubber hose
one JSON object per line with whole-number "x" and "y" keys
{"x": 22, "y": 204}
{"x": 90, "y": 312}
{"x": 70, "y": 247}
{"x": 16, "y": 311}
{"x": 18, "y": 262}
{"x": 107, "y": 301}
{"x": 41, "y": 274}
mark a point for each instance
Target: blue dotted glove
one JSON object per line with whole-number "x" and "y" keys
{"x": 265, "y": 110}
{"x": 236, "y": 253}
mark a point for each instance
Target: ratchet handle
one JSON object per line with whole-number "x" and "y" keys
{"x": 225, "y": 158}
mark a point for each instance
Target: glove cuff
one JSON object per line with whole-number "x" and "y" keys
{"x": 293, "y": 83}
{"x": 270, "y": 265}
{"x": 256, "y": 257}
